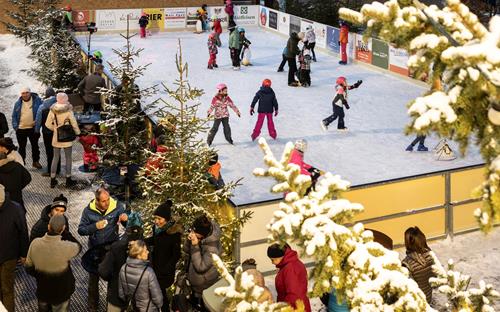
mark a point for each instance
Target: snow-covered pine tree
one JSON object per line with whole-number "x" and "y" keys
{"x": 180, "y": 172}
{"x": 369, "y": 276}
{"x": 462, "y": 58}
{"x": 22, "y": 17}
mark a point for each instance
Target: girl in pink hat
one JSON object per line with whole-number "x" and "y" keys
{"x": 219, "y": 106}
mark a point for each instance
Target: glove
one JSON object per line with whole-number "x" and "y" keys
{"x": 239, "y": 115}
{"x": 251, "y": 111}
{"x": 275, "y": 113}
{"x": 346, "y": 105}
{"x": 208, "y": 115}
{"x": 358, "y": 83}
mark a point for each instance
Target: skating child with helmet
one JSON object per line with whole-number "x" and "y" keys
{"x": 339, "y": 102}
{"x": 297, "y": 158}
{"x": 219, "y": 106}
{"x": 268, "y": 104}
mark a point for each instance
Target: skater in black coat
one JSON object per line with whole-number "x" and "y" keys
{"x": 338, "y": 110}
{"x": 14, "y": 177}
{"x": 58, "y": 206}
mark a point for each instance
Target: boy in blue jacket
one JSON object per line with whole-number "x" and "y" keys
{"x": 267, "y": 105}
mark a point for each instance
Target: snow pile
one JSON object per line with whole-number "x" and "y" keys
{"x": 432, "y": 109}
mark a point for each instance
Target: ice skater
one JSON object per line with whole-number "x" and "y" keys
{"x": 305, "y": 67}
{"x": 310, "y": 41}
{"x": 143, "y": 23}
{"x": 212, "y": 50}
{"x": 343, "y": 40}
{"x": 268, "y": 104}
{"x": 297, "y": 158}
{"x": 219, "y": 105}
{"x": 420, "y": 139}
{"x": 339, "y": 102}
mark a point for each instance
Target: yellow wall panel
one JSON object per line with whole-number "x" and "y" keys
{"x": 462, "y": 183}
{"x": 463, "y": 218}
{"x": 256, "y": 228}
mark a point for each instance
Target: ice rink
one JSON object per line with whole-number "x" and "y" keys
{"x": 372, "y": 150}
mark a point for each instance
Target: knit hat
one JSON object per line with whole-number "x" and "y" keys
{"x": 2, "y": 194}
{"x": 25, "y": 89}
{"x": 164, "y": 210}
{"x": 57, "y": 223}
{"x": 49, "y": 92}
{"x": 59, "y": 201}
{"x": 202, "y": 226}
{"x": 62, "y": 98}
{"x": 275, "y": 251}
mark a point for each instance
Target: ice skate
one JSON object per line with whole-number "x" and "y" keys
{"x": 343, "y": 129}
{"x": 422, "y": 148}
{"x": 324, "y": 126}
{"x": 294, "y": 84}
{"x": 409, "y": 148}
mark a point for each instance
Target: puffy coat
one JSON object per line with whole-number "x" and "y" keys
{"x": 91, "y": 215}
{"x": 201, "y": 271}
{"x": 16, "y": 113}
{"x": 297, "y": 158}
{"x": 291, "y": 280}
{"x": 58, "y": 115}
{"x": 14, "y": 178}
{"x": 212, "y": 46}
{"x": 310, "y": 36}
{"x": 13, "y": 231}
{"x": 166, "y": 251}
{"x": 89, "y": 86}
{"x": 420, "y": 267}
{"x": 292, "y": 48}
{"x": 220, "y": 104}
{"x": 109, "y": 270}
{"x": 41, "y": 227}
{"x": 40, "y": 122}
{"x": 148, "y": 297}
{"x": 344, "y": 34}
{"x": 217, "y": 26}
{"x": 4, "y": 126}
{"x": 234, "y": 40}
{"x": 267, "y": 100}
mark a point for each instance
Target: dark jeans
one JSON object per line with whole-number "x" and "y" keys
{"x": 420, "y": 139}
{"x": 7, "y": 277}
{"x": 96, "y": 107}
{"x": 305, "y": 76}
{"x": 338, "y": 112}
{"x": 311, "y": 47}
{"x": 292, "y": 69}
{"x": 235, "y": 57}
{"x": 215, "y": 128}
{"x": 283, "y": 62}
{"x": 93, "y": 292}
{"x": 49, "y": 150}
{"x": 22, "y": 136}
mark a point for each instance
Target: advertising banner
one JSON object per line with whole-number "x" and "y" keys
{"x": 284, "y": 23}
{"x": 380, "y": 53}
{"x": 81, "y": 18}
{"x": 191, "y": 16}
{"x": 332, "y": 39}
{"x": 304, "y": 24}
{"x": 273, "y": 19}
{"x": 246, "y": 14}
{"x": 117, "y": 19}
{"x": 263, "y": 17}
{"x": 363, "y": 49}
{"x": 294, "y": 24}
{"x": 175, "y": 18}
{"x": 398, "y": 61}
{"x": 217, "y": 12}
{"x": 320, "y": 31}
{"x": 156, "y": 19}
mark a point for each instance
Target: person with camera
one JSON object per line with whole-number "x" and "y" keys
{"x": 62, "y": 122}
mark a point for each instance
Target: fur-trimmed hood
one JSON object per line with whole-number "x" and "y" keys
{"x": 59, "y": 108}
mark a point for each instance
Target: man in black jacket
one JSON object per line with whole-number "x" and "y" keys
{"x": 4, "y": 126}
{"x": 13, "y": 246}
{"x": 292, "y": 50}
{"x": 14, "y": 177}
{"x": 58, "y": 207}
{"x": 166, "y": 248}
{"x": 109, "y": 268}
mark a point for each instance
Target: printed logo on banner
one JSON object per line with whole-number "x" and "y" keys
{"x": 398, "y": 61}
{"x": 273, "y": 20}
{"x": 175, "y": 17}
{"x": 320, "y": 31}
{"x": 117, "y": 19}
{"x": 246, "y": 15}
{"x": 80, "y": 18}
{"x": 294, "y": 24}
{"x": 332, "y": 39}
{"x": 191, "y": 16}
{"x": 106, "y": 19}
{"x": 363, "y": 49}
{"x": 217, "y": 13}
{"x": 263, "y": 17}
{"x": 380, "y": 53}
{"x": 283, "y": 23}
{"x": 156, "y": 19}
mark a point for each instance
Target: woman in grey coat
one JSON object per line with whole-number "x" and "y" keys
{"x": 138, "y": 281}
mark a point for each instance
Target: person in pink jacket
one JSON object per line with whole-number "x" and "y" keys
{"x": 219, "y": 107}
{"x": 297, "y": 158}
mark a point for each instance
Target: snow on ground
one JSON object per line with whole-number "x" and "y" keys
{"x": 372, "y": 150}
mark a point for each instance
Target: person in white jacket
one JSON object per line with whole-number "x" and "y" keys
{"x": 61, "y": 113}
{"x": 310, "y": 40}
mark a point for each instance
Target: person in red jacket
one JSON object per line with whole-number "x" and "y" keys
{"x": 217, "y": 28}
{"x": 291, "y": 280}
{"x": 344, "y": 34}
{"x": 90, "y": 143}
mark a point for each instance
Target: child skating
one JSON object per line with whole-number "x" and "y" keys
{"x": 219, "y": 105}
{"x": 143, "y": 23}
{"x": 305, "y": 67}
{"x": 212, "y": 50}
{"x": 339, "y": 102}
{"x": 268, "y": 104}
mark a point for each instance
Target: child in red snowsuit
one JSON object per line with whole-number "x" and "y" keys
{"x": 268, "y": 104}
{"x": 89, "y": 142}
{"x": 212, "y": 50}
{"x": 143, "y": 23}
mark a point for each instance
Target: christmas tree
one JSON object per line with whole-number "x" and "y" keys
{"x": 180, "y": 169}
{"x": 461, "y": 58}
{"x": 22, "y": 18}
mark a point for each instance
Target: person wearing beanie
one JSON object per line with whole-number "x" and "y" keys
{"x": 13, "y": 245}
{"x": 48, "y": 261}
{"x": 109, "y": 268}
{"x": 165, "y": 244}
{"x": 292, "y": 50}
{"x": 202, "y": 242}
{"x": 23, "y": 122}
{"x": 47, "y": 134}
{"x": 291, "y": 280}
{"x": 60, "y": 114}
{"x": 268, "y": 104}
{"x": 58, "y": 206}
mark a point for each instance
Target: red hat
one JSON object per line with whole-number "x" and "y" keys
{"x": 341, "y": 80}
{"x": 68, "y": 8}
{"x": 266, "y": 83}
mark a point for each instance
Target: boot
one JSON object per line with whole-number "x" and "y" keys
{"x": 37, "y": 165}
{"x": 253, "y": 137}
{"x": 422, "y": 148}
{"x": 216, "y": 66}
{"x": 70, "y": 182}
{"x": 53, "y": 182}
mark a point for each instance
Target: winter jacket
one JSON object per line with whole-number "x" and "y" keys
{"x": 305, "y": 61}
{"x": 13, "y": 231}
{"x": 91, "y": 215}
{"x": 344, "y": 34}
{"x": 297, "y": 158}
{"x": 420, "y": 267}
{"x": 212, "y": 46}
{"x": 234, "y": 40}
{"x": 109, "y": 270}
{"x": 59, "y": 115}
{"x": 4, "y": 126}
{"x": 292, "y": 48}
{"x": 220, "y": 104}
{"x": 14, "y": 178}
{"x": 16, "y": 113}
{"x": 143, "y": 21}
{"x": 217, "y": 26}
{"x": 41, "y": 227}
{"x": 201, "y": 271}
{"x": 40, "y": 116}
{"x": 88, "y": 141}
{"x": 48, "y": 261}
{"x": 89, "y": 88}
{"x": 214, "y": 176}
{"x": 291, "y": 280}
{"x": 166, "y": 252}
{"x": 148, "y": 296}
{"x": 267, "y": 100}
{"x": 310, "y": 36}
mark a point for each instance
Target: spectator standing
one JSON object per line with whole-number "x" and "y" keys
{"x": 89, "y": 89}
{"x": 47, "y": 134}
{"x": 292, "y": 50}
{"x": 49, "y": 259}
{"x": 343, "y": 40}
{"x": 23, "y": 122}
{"x": 14, "y": 177}
{"x": 4, "y": 126}
{"x": 58, "y": 207}
{"x": 99, "y": 221}
{"x": 13, "y": 246}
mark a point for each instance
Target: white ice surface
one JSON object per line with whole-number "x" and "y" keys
{"x": 373, "y": 149}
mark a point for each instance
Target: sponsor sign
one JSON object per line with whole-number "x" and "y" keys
{"x": 246, "y": 14}
{"x": 273, "y": 19}
{"x": 363, "y": 49}
{"x": 284, "y": 23}
{"x": 332, "y": 39}
{"x": 117, "y": 19}
{"x": 217, "y": 12}
{"x": 191, "y": 16}
{"x": 156, "y": 19}
{"x": 304, "y": 24}
{"x": 263, "y": 16}
{"x": 175, "y": 17}
{"x": 320, "y": 31}
{"x": 380, "y": 53}
{"x": 80, "y": 18}
{"x": 294, "y": 24}
{"x": 398, "y": 61}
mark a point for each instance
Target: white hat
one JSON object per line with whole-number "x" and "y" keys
{"x": 300, "y": 145}
{"x": 2, "y": 194}
{"x": 25, "y": 89}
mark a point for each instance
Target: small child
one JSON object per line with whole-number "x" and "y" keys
{"x": 245, "y": 49}
{"x": 213, "y": 172}
{"x": 297, "y": 158}
{"x": 341, "y": 88}
{"x": 143, "y": 23}
{"x": 212, "y": 50}
{"x": 219, "y": 105}
{"x": 268, "y": 104}
{"x": 217, "y": 28}
{"x": 305, "y": 67}
{"x": 89, "y": 142}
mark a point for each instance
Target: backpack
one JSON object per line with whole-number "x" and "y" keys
{"x": 131, "y": 304}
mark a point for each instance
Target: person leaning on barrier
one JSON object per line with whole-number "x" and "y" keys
{"x": 89, "y": 89}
